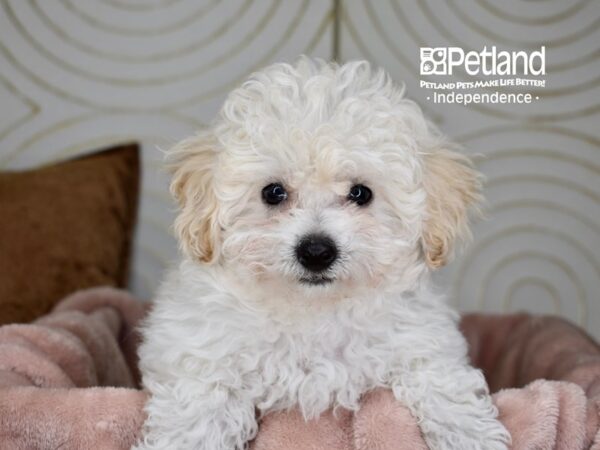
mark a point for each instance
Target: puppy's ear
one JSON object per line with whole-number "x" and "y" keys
{"x": 452, "y": 186}
{"x": 192, "y": 163}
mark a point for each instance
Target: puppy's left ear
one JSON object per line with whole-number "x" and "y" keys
{"x": 452, "y": 187}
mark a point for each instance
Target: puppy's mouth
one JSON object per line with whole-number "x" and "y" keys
{"x": 316, "y": 280}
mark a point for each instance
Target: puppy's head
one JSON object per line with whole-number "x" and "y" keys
{"x": 320, "y": 179}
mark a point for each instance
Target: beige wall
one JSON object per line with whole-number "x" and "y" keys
{"x": 77, "y": 74}
{"x": 539, "y": 248}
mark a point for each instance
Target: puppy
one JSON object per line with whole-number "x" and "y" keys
{"x": 311, "y": 214}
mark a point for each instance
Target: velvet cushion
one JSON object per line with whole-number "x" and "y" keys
{"x": 65, "y": 227}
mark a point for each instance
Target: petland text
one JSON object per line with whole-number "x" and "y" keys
{"x": 443, "y": 61}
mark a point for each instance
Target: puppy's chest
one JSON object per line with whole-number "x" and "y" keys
{"x": 322, "y": 370}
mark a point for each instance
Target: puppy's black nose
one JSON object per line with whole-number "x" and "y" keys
{"x": 316, "y": 252}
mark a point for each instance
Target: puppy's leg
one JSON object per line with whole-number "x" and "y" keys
{"x": 453, "y": 406}
{"x": 191, "y": 417}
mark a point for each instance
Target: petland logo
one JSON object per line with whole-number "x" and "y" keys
{"x": 443, "y": 61}
{"x": 498, "y": 77}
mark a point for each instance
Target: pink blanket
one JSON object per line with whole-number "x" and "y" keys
{"x": 69, "y": 381}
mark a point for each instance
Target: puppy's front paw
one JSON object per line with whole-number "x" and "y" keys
{"x": 478, "y": 434}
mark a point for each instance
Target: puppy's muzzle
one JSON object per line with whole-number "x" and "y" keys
{"x": 316, "y": 252}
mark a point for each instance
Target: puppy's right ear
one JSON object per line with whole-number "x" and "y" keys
{"x": 192, "y": 163}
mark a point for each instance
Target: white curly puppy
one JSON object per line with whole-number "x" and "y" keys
{"x": 312, "y": 212}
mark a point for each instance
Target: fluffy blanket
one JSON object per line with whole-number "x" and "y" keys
{"x": 69, "y": 381}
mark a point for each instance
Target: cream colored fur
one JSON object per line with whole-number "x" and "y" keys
{"x": 234, "y": 332}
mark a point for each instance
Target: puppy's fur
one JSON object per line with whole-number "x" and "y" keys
{"x": 236, "y": 332}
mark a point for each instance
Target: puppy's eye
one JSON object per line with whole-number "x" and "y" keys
{"x": 274, "y": 194}
{"x": 360, "y": 194}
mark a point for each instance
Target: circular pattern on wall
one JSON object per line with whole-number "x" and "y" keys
{"x": 538, "y": 247}
{"x": 181, "y": 54}
{"x": 391, "y": 32}
{"x": 80, "y": 75}
{"x": 86, "y": 73}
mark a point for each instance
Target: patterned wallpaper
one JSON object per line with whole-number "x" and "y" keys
{"x": 79, "y": 74}
{"x": 538, "y": 248}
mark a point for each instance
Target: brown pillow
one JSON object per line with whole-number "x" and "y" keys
{"x": 65, "y": 227}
